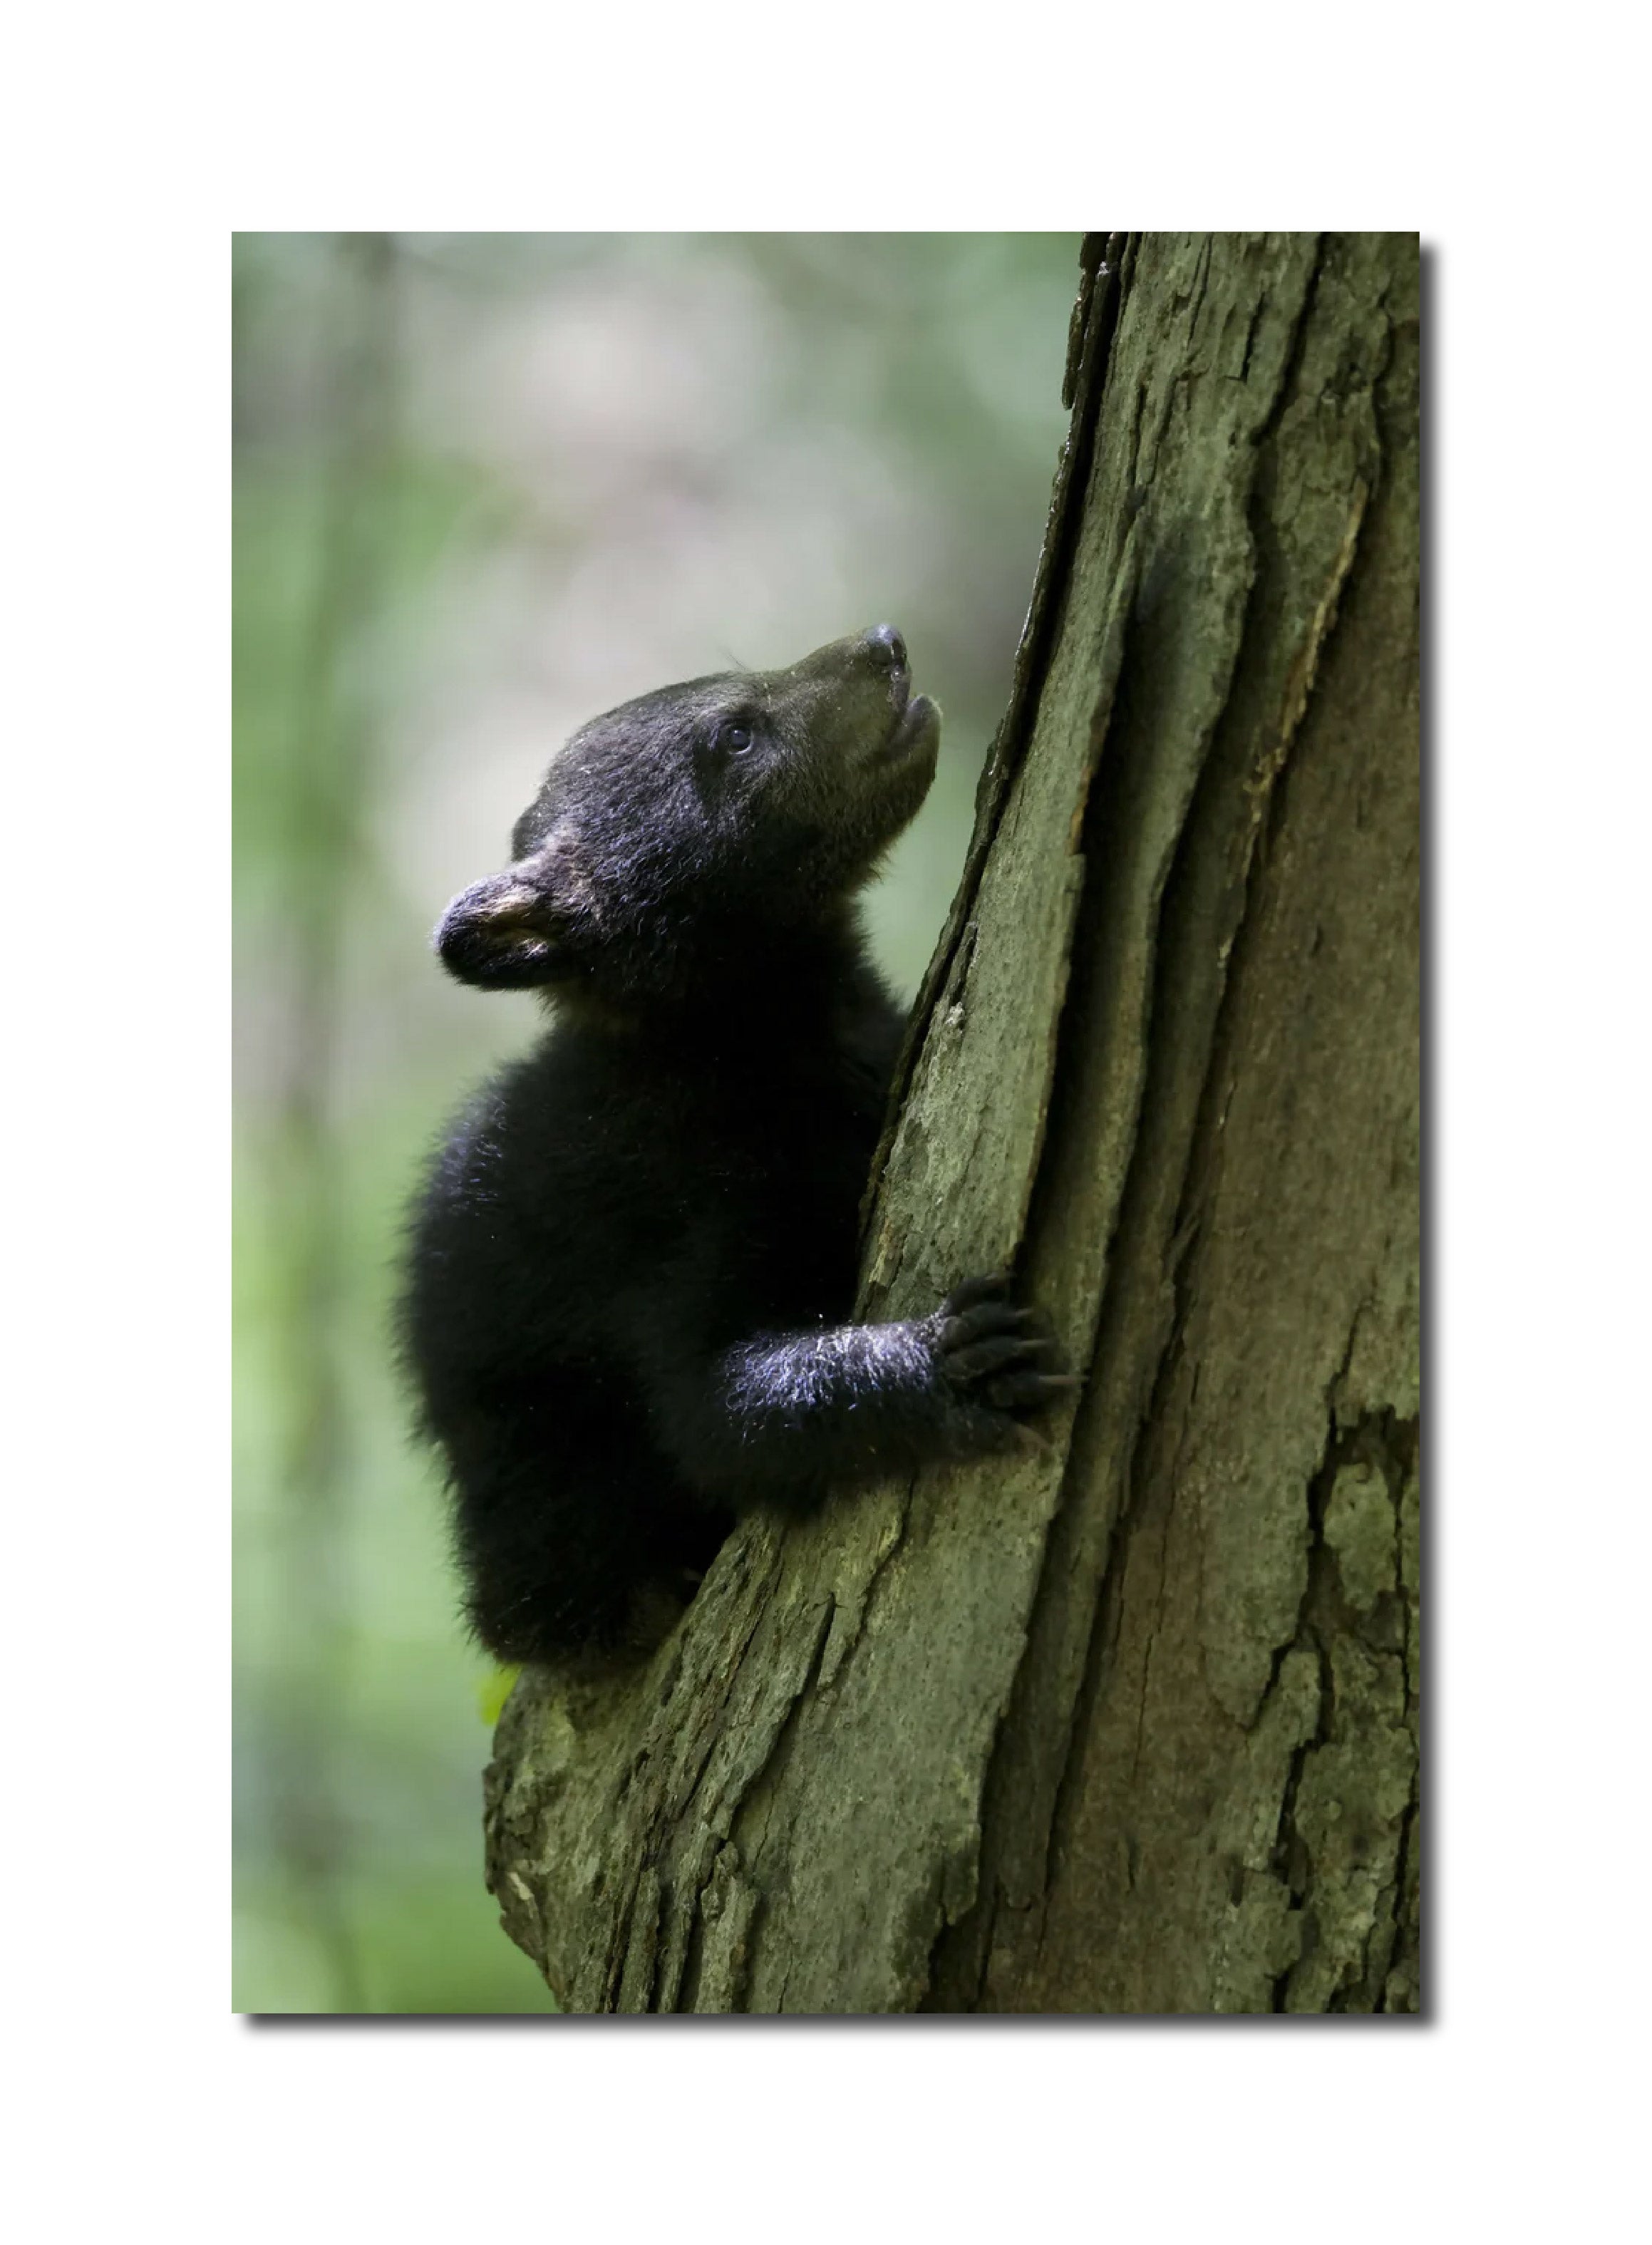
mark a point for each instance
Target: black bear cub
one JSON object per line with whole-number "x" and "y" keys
{"x": 630, "y": 1268}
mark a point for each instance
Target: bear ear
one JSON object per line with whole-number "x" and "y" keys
{"x": 503, "y": 933}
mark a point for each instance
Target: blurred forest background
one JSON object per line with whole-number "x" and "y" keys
{"x": 486, "y": 486}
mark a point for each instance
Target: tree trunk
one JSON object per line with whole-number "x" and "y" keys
{"x": 1129, "y": 1725}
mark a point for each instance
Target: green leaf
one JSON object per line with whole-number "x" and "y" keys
{"x": 493, "y": 1689}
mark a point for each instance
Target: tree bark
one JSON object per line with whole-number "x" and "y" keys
{"x": 1129, "y": 1725}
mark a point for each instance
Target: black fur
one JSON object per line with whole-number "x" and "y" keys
{"x": 629, "y": 1269}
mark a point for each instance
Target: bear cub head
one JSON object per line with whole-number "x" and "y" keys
{"x": 682, "y": 827}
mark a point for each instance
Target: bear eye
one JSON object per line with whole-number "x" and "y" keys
{"x": 733, "y": 737}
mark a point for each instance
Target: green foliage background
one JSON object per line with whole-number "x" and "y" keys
{"x": 484, "y": 486}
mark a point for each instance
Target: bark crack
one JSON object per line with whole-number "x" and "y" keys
{"x": 1032, "y": 657}
{"x": 1343, "y": 1853}
{"x": 755, "y": 1797}
{"x": 1296, "y": 351}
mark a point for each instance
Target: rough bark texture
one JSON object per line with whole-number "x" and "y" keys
{"x": 1130, "y": 1725}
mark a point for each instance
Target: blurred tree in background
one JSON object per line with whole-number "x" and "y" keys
{"x": 486, "y": 486}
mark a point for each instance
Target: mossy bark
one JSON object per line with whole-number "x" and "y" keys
{"x": 1131, "y": 1724}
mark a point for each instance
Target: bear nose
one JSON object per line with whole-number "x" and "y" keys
{"x": 884, "y": 644}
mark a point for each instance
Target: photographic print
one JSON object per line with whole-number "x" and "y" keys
{"x": 827, "y": 1123}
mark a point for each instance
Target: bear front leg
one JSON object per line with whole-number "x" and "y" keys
{"x": 783, "y": 1416}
